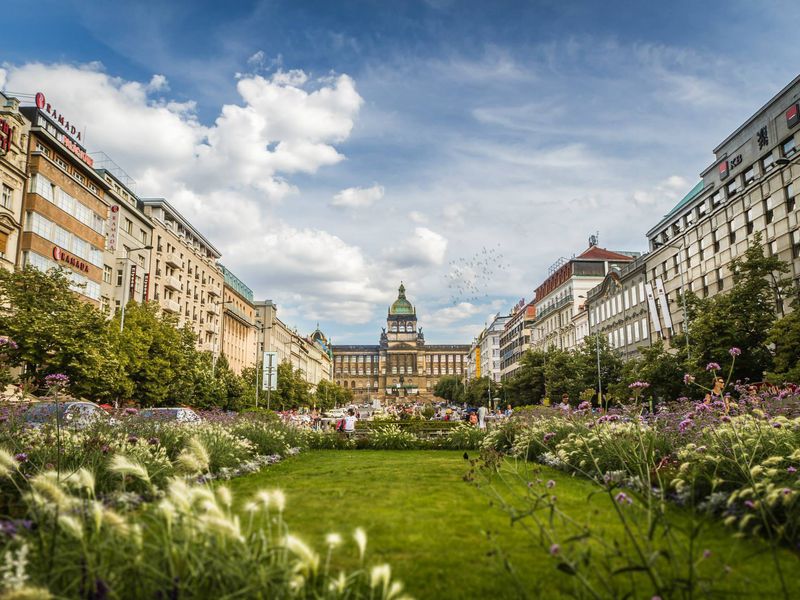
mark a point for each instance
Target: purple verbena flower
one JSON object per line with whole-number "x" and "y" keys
{"x": 56, "y": 380}
{"x": 791, "y": 470}
{"x": 623, "y": 498}
{"x": 685, "y": 424}
{"x": 133, "y": 439}
{"x": 21, "y": 457}
{"x": 749, "y": 504}
{"x": 548, "y": 436}
{"x": 688, "y": 378}
{"x": 551, "y": 484}
{"x": 555, "y": 549}
{"x": 131, "y": 411}
{"x": 712, "y": 366}
{"x": 734, "y": 351}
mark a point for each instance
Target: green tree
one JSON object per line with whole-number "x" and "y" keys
{"x": 785, "y": 335}
{"x": 54, "y": 333}
{"x": 661, "y": 369}
{"x": 740, "y": 318}
{"x": 450, "y": 388}
{"x": 527, "y": 385}
{"x": 293, "y": 390}
{"x": 585, "y": 365}
{"x": 477, "y": 392}
{"x": 328, "y": 395}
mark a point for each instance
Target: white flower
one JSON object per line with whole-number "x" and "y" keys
{"x": 380, "y": 576}
{"x": 333, "y": 540}
{"x": 361, "y": 541}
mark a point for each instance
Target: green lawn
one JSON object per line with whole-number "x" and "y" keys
{"x": 441, "y": 534}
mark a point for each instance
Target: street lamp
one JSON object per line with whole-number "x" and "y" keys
{"x": 597, "y": 353}
{"x": 544, "y": 353}
{"x": 682, "y": 248}
{"x": 124, "y": 283}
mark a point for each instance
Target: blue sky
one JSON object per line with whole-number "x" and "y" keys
{"x": 399, "y": 140}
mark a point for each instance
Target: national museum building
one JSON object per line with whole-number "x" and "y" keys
{"x": 401, "y": 365}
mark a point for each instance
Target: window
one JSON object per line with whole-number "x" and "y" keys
{"x": 717, "y": 198}
{"x": 790, "y": 197}
{"x": 143, "y": 236}
{"x": 767, "y": 163}
{"x": 732, "y": 187}
{"x": 750, "y": 220}
{"x": 61, "y": 237}
{"x": 43, "y": 186}
{"x": 720, "y": 280}
{"x": 788, "y": 147}
{"x": 119, "y": 277}
{"x": 42, "y": 149}
{"x": 644, "y": 329}
{"x": 796, "y": 243}
{"x": 61, "y": 163}
{"x": 769, "y": 213}
{"x": 107, "y": 274}
{"x": 8, "y": 197}
{"x": 749, "y": 174}
{"x": 128, "y": 226}
{"x": 79, "y": 177}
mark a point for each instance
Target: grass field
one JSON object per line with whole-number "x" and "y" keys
{"x": 441, "y": 534}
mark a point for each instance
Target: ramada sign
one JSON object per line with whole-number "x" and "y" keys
{"x": 62, "y": 256}
{"x": 70, "y": 129}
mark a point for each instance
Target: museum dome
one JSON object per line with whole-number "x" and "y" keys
{"x": 401, "y": 306}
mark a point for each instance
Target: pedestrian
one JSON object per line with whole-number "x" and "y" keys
{"x": 509, "y": 411}
{"x": 350, "y": 423}
{"x": 482, "y": 417}
{"x": 473, "y": 419}
{"x": 564, "y": 403}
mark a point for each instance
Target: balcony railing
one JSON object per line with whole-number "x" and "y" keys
{"x": 170, "y": 305}
{"x": 560, "y": 304}
{"x": 173, "y": 260}
{"x": 172, "y": 282}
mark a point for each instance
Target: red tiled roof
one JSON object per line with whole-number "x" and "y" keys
{"x": 597, "y": 253}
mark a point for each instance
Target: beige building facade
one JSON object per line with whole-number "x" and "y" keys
{"x": 238, "y": 322}
{"x": 186, "y": 279}
{"x": 14, "y": 129}
{"x": 402, "y": 366}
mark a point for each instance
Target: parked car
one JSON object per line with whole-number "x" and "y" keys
{"x": 75, "y": 415}
{"x": 176, "y": 414}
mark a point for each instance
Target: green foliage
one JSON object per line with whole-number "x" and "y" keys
{"x": 661, "y": 369}
{"x": 480, "y": 390}
{"x": 450, "y": 388}
{"x": 328, "y": 395}
{"x": 785, "y": 335}
{"x": 742, "y": 317}
{"x": 527, "y": 385}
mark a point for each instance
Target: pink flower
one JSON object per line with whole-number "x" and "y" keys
{"x": 688, "y": 378}
{"x": 623, "y": 498}
{"x": 712, "y": 366}
{"x": 791, "y": 470}
{"x": 735, "y": 351}
{"x": 551, "y": 484}
{"x": 555, "y": 549}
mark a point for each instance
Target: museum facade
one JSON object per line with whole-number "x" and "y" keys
{"x": 401, "y": 365}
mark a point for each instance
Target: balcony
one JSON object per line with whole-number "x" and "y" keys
{"x": 170, "y": 305}
{"x": 172, "y": 283}
{"x": 212, "y": 292}
{"x": 557, "y": 305}
{"x": 173, "y": 260}
{"x": 212, "y": 309}
{"x": 209, "y": 326}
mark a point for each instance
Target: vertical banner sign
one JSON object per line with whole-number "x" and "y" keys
{"x": 651, "y": 303}
{"x": 662, "y": 301}
{"x": 269, "y": 379}
{"x": 146, "y": 285}
{"x": 132, "y": 290}
{"x": 113, "y": 222}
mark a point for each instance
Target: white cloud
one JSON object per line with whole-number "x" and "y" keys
{"x": 423, "y": 249}
{"x": 356, "y": 197}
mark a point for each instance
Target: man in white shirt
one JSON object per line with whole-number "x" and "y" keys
{"x": 481, "y": 417}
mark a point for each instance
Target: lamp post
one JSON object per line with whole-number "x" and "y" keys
{"x": 544, "y": 354}
{"x": 259, "y": 343}
{"x": 597, "y": 353}
{"x": 125, "y": 284}
{"x": 682, "y": 248}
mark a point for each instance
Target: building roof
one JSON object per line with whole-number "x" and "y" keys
{"x": 236, "y": 284}
{"x": 173, "y": 212}
{"x": 401, "y": 306}
{"x": 598, "y": 253}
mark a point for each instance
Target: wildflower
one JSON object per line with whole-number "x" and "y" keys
{"x": 9, "y": 343}
{"x": 132, "y": 439}
{"x": 153, "y": 441}
{"x": 776, "y": 424}
{"x": 706, "y": 553}
{"x": 131, "y": 411}
{"x": 551, "y": 484}
{"x": 688, "y": 378}
{"x": 786, "y": 491}
{"x": 361, "y": 541}
{"x": 105, "y": 449}
{"x": 725, "y": 419}
{"x": 56, "y": 380}
{"x": 548, "y": 436}
{"x": 639, "y": 385}
{"x": 734, "y": 351}
{"x": 712, "y": 366}
{"x": 791, "y": 470}
{"x": 585, "y": 405}
{"x": 623, "y": 498}
{"x": 21, "y": 457}
{"x": 555, "y": 549}
{"x": 333, "y": 540}
{"x": 749, "y": 504}
{"x": 685, "y": 424}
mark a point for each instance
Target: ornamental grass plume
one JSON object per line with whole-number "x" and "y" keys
{"x": 360, "y": 536}
{"x": 123, "y": 465}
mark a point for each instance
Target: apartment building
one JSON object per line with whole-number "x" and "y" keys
{"x": 14, "y": 129}
{"x": 751, "y": 186}
{"x": 516, "y": 337}
{"x": 187, "y": 282}
{"x": 238, "y": 322}
{"x": 129, "y": 237}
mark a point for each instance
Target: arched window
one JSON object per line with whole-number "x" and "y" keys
{"x": 353, "y": 384}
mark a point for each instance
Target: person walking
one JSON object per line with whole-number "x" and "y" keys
{"x": 482, "y": 417}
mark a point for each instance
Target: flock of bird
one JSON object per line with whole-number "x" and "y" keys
{"x": 469, "y": 279}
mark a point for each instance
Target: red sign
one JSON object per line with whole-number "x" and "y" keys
{"x": 793, "y": 115}
{"x": 133, "y": 282}
{"x": 76, "y": 150}
{"x": 61, "y": 256}
{"x": 146, "y": 285}
{"x": 6, "y": 135}
{"x": 723, "y": 169}
{"x": 43, "y": 105}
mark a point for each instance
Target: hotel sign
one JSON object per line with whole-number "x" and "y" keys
{"x": 113, "y": 223}
{"x": 72, "y": 132}
{"x": 6, "y": 135}
{"x": 61, "y": 256}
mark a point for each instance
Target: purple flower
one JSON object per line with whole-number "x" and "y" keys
{"x": 725, "y": 419}
{"x": 749, "y": 504}
{"x": 776, "y": 424}
{"x": 56, "y": 380}
{"x": 685, "y": 424}
{"x": 735, "y": 351}
{"x": 555, "y": 549}
{"x": 786, "y": 491}
{"x": 706, "y": 553}
{"x": 712, "y": 366}
{"x": 791, "y": 470}
{"x": 551, "y": 484}
{"x": 639, "y": 385}
{"x": 623, "y": 498}
{"x": 105, "y": 449}
{"x": 548, "y": 436}
{"x": 585, "y": 405}
{"x": 8, "y": 343}
{"x": 131, "y": 411}
{"x": 21, "y": 457}
{"x": 132, "y": 439}
{"x": 688, "y": 378}
{"x": 153, "y": 441}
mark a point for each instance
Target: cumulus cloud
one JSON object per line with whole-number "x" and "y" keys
{"x": 424, "y": 248}
{"x": 356, "y": 197}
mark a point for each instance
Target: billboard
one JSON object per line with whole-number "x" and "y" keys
{"x": 269, "y": 371}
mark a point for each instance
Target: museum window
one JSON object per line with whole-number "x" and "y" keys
{"x": 796, "y": 243}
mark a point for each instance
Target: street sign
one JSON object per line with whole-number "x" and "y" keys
{"x": 269, "y": 372}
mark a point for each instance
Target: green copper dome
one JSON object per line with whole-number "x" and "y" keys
{"x": 401, "y": 306}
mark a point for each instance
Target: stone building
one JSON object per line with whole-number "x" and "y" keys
{"x": 516, "y": 338}
{"x": 401, "y": 365}
{"x": 187, "y": 281}
{"x": 751, "y": 186}
{"x": 13, "y": 164}
{"x": 238, "y": 322}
